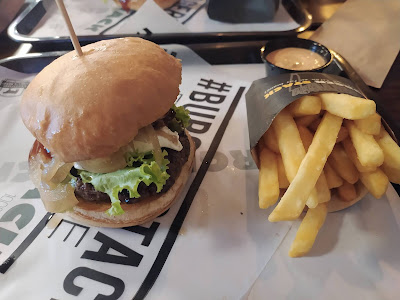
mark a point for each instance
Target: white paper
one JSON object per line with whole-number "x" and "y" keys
{"x": 355, "y": 256}
{"x": 223, "y": 245}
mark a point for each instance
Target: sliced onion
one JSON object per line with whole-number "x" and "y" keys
{"x": 59, "y": 199}
{"x": 62, "y": 173}
{"x": 50, "y": 169}
{"x": 56, "y": 197}
{"x": 109, "y": 164}
{"x": 153, "y": 139}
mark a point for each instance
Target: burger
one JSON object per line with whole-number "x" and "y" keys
{"x": 111, "y": 147}
{"x": 128, "y": 5}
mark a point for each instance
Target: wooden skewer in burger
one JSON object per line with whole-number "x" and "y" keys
{"x": 111, "y": 147}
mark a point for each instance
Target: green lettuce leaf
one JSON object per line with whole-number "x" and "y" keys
{"x": 182, "y": 115}
{"x": 129, "y": 178}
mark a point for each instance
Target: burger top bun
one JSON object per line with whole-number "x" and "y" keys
{"x": 86, "y": 107}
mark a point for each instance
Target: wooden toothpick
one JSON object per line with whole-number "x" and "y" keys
{"x": 74, "y": 39}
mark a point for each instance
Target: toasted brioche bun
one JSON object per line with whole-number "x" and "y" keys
{"x": 92, "y": 213}
{"x": 87, "y": 107}
{"x": 136, "y": 4}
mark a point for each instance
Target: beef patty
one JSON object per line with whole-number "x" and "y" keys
{"x": 177, "y": 159}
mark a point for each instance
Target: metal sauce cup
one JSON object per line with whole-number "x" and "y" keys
{"x": 273, "y": 45}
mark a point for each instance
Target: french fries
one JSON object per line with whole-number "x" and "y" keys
{"x": 308, "y": 230}
{"x": 347, "y": 191}
{"x": 289, "y": 142}
{"x": 342, "y": 164}
{"x": 269, "y": 139}
{"x": 268, "y": 185}
{"x": 293, "y": 201}
{"x": 352, "y": 154}
{"x": 346, "y": 106}
{"x": 323, "y": 192}
{"x": 306, "y": 105}
{"x": 369, "y": 125}
{"x": 291, "y": 148}
{"x": 393, "y": 174}
{"x": 390, "y": 149}
{"x": 319, "y": 146}
{"x": 283, "y": 181}
{"x": 368, "y": 151}
{"x": 306, "y": 120}
{"x": 391, "y": 152}
{"x": 333, "y": 179}
{"x": 376, "y": 182}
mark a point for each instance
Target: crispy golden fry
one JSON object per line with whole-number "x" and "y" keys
{"x": 390, "y": 149}
{"x": 333, "y": 179}
{"x": 323, "y": 192}
{"x": 343, "y": 134}
{"x": 342, "y": 164}
{"x": 312, "y": 200}
{"x": 376, "y": 182}
{"x": 347, "y": 191}
{"x": 294, "y": 200}
{"x": 306, "y": 105}
{"x": 308, "y": 230}
{"x": 306, "y": 120}
{"x": 392, "y": 173}
{"x": 307, "y": 137}
{"x": 346, "y": 106}
{"x": 269, "y": 139}
{"x": 289, "y": 142}
{"x": 370, "y": 124}
{"x": 352, "y": 154}
{"x": 283, "y": 181}
{"x": 368, "y": 151}
{"x": 268, "y": 185}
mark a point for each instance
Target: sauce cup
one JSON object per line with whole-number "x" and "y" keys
{"x": 290, "y": 55}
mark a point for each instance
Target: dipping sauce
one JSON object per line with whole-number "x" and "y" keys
{"x": 297, "y": 59}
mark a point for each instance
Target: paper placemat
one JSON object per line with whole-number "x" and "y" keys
{"x": 224, "y": 242}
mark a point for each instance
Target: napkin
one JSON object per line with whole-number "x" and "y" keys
{"x": 367, "y": 34}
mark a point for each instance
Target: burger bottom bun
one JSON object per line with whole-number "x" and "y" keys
{"x": 335, "y": 204}
{"x": 91, "y": 213}
{"x": 136, "y": 4}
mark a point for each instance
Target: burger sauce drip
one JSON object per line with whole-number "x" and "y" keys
{"x": 125, "y": 5}
{"x": 153, "y": 139}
